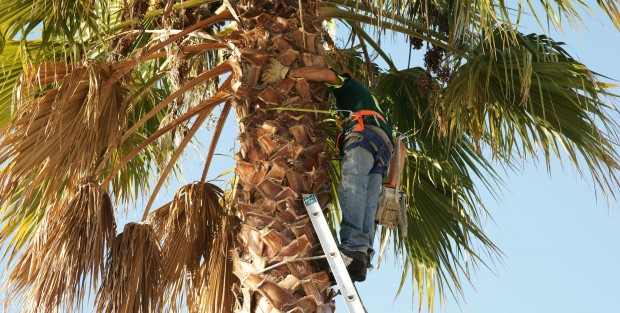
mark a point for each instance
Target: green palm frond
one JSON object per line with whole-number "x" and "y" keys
{"x": 529, "y": 96}
{"x": 2, "y": 39}
{"x": 409, "y": 95}
{"x": 445, "y": 221}
{"x": 332, "y": 12}
{"x": 445, "y": 210}
{"x": 463, "y": 19}
{"x": 24, "y": 58}
{"x": 64, "y": 18}
{"x": 12, "y": 61}
{"x": 21, "y": 217}
{"x": 612, "y": 8}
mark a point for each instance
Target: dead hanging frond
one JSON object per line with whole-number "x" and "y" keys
{"x": 64, "y": 129}
{"x": 66, "y": 257}
{"x": 34, "y": 78}
{"x": 193, "y": 228}
{"x": 134, "y": 276}
{"x": 216, "y": 278}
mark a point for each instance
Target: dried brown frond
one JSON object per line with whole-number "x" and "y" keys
{"x": 190, "y": 228}
{"x": 36, "y": 77}
{"x": 216, "y": 279}
{"x": 133, "y": 275}
{"x": 66, "y": 256}
{"x": 25, "y": 271}
{"x": 66, "y": 129}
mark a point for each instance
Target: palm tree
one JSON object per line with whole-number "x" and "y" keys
{"x": 110, "y": 93}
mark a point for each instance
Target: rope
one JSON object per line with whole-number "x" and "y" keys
{"x": 330, "y": 112}
{"x": 291, "y": 261}
{"x": 397, "y": 143}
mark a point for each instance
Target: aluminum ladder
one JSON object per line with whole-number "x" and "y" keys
{"x": 332, "y": 254}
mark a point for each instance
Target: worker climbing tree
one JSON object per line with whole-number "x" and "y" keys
{"x": 366, "y": 147}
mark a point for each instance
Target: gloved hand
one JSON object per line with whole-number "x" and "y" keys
{"x": 275, "y": 73}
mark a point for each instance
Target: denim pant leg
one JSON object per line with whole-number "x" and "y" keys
{"x": 352, "y": 194}
{"x": 372, "y": 202}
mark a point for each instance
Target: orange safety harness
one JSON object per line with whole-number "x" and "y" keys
{"x": 359, "y": 117}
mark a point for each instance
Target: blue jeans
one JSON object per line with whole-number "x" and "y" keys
{"x": 358, "y": 194}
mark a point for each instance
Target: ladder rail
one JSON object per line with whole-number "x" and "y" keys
{"x": 332, "y": 254}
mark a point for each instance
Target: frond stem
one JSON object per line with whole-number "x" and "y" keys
{"x": 140, "y": 92}
{"x": 194, "y": 48}
{"x": 209, "y": 104}
{"x": 330, "y": 12}
{"x": 216, "y": 71}
{"x": 177, "y": 153}
{"x": 216, "y": 137}
{"x": 310, "y": 258}
{"x": 226, "y": 15}
{"x": 360, "y": 32}
{"x": 356, "y": 5}
{"x": 329, "y": 112}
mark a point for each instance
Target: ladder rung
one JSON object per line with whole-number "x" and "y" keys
{"x": 352, "y": 299}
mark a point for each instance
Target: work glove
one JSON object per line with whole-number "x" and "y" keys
{"x": 275, "y": 73}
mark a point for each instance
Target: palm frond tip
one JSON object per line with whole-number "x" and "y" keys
{"x": 67, "y": 254}
{"x": 187, "y": 228}
{"x": 134, "y": 273}
{"x": 216, "y": 279}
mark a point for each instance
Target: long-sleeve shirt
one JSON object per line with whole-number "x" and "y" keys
{"x": 353, "y": 96}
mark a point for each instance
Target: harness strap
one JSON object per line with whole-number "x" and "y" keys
{"x": 359, "y": 116}
{"x": 375, "y": 145}
{"x": 339, "y": 142}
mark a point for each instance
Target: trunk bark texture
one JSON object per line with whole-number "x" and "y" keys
{"x": 283, "y": 155}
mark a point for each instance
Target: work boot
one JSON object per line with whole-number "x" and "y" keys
{"x": 369, "y": 259}
{"x": 332, "y": 279}
{"x": 356, "y": 263}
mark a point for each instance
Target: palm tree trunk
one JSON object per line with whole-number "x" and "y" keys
{"x": 283, "y": 154}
